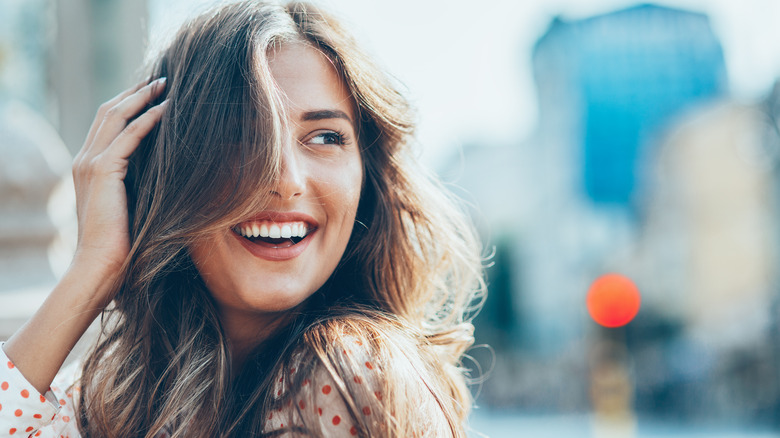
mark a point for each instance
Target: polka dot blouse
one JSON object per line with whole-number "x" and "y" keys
{"x": 24, "y": 412}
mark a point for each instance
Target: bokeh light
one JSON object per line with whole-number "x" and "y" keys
{"x": 613, "y": 300}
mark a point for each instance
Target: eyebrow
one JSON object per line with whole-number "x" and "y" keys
{"x": 325, "y": 114}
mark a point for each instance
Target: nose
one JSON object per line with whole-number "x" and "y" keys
{"x": 292, "y": 181}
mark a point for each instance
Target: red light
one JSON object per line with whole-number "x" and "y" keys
{"x": 613, "y": 300}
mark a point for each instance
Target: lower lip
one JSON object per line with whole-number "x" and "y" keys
{"x": 275, "y": 254}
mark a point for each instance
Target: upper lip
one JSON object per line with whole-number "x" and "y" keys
{"x": 282, "y": 216}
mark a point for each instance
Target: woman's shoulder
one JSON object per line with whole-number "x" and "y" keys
{"x": 366, "y": 374}
{"x": 69, "y": 378}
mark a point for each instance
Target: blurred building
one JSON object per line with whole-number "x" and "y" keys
{"x": 608, "y": 88}
{"x": 708, "y": 256}
{"x": 609, "y": 84}
{"x": 709, "y": 225}
{"x": 640, "y": 165}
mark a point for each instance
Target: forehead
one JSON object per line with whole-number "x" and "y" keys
{"x": 308, "y": 79}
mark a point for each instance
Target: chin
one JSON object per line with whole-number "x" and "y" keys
{"x": 276, "y": 300}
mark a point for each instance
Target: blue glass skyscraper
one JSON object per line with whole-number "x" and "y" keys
{"x": 621, "y": 77}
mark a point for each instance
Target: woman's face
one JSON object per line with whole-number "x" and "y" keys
{"x": 275, "y": 260}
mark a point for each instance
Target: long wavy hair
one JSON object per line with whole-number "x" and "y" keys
{"x": 407, "y": 286}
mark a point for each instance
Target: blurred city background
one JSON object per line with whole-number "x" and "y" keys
{"x": 588, "y": 137}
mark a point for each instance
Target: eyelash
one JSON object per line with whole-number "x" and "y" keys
{"x": 340, "y": 139}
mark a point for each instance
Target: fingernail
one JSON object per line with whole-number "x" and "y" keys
{"x": 162, "y": 80}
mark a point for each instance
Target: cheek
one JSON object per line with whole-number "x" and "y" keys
{"x": 355, "y": 176}
{"x": 352, "y": 194}
{"x": 342, "y": 186}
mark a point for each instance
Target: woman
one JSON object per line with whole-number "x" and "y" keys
{"x": 287, "y": 269}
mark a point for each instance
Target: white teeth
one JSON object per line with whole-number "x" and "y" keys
{"x": 273, "y": 230}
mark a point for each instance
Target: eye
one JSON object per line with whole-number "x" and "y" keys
{"x": 329, "y": 137}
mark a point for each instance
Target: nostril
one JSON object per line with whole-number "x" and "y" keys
{"x": 292, "y": 195}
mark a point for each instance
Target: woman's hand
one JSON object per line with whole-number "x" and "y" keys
{"x": 99, "y": 170}
{"x": 39, "y": 348}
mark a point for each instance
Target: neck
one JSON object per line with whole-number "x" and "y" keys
{"x": 246, "y": 330}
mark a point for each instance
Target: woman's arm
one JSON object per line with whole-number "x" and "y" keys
{"x": 39, "y": 348}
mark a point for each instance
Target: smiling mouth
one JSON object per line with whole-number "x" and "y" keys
{"x": 273, "y": 234}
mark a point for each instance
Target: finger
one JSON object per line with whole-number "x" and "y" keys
{"x": 116, "y": 118}
{"x": 128, "y": 140}
{"x": 101, "y": 112}
{"x": 81, "y": 162}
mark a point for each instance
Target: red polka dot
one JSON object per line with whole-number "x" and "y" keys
{"x": 281, "y": 379}
{"x": 292, "y": 370}
{"x": 62, "y": 402}
{"x": 38, "y": 416}
{"x": 336, "y": 420}
{"x": 29, "y": 429}
{"x": 4, "y": 385}
{"x": 10, "y": 365}
{"x": 43, "y": 399}
{"x": 281, "y": 425}
{"x": 302, "y": 404}
{"x": 305, "y": 382}
{"x": 25, "y": 393}
{"x": 366, "y": 410}
{"x": 378, "y": 395}
{"x": 279, "y": 392}
{"x": 358, "y": 380}
{"x": 319, "y": 411}
{"x": 12, "y": 431}
{"x": 369, "y": 366}
{"x": 65, "y": 418}
{"x": 353, "y": 431}
{"x": 18, "y": 412}
{"x": 38, "y": 433}
{"x": 326, "y": 389}
{"x": 271, "y": 415}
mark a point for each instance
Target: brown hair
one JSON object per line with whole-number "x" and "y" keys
{"x": 407, "y": 283}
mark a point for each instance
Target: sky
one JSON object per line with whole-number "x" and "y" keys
{"x": 467, "y": 68}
